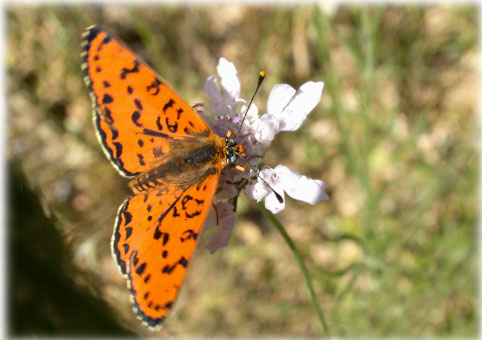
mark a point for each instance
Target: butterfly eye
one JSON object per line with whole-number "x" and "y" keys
{"x": 232, "y": 157}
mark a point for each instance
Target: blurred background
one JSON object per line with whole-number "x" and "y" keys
{"x": 392, "y": 253}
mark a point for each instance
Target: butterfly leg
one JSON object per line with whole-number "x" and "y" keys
{"x": 200, "y": 107}
{"x": 216, "y": 212}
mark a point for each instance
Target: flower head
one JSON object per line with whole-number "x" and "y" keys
{"x": 287, "y": 109}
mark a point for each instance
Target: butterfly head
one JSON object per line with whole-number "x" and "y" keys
{"x": 233, "y": 149}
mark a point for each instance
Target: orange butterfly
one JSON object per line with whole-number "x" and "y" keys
{"x": 174, "y": 159}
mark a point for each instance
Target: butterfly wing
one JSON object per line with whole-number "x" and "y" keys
{"x": 136, "y": 114}
{"x": 155, "y": 235}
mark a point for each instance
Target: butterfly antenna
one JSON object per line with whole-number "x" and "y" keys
{"x": 256, "y": 170}
{"x": 262, "y": 74}
{"x": 278, "y": 196}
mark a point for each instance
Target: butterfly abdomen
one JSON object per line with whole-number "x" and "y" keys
{"x": 184, "y": 165}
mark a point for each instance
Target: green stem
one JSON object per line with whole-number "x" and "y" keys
{"x": 301, "y": 264}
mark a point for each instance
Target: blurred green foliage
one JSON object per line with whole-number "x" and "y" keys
{"x": 393, "y": 253}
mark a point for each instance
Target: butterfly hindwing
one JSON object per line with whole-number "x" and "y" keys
{"x": 136, "y": 114}
{"x": 154, "y": 252}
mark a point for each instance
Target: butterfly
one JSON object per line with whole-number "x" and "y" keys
{"x": 174, "y": 159}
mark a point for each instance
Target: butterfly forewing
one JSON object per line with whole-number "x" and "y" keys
{"x": 136, "y": 113}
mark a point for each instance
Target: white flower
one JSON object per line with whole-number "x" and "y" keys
{"x": 284, "y": 180}
{"x": 287, "y": 109}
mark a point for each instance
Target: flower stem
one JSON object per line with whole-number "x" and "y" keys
{"x": 301, "y": 264}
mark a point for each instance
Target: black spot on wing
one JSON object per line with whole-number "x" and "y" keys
{"x": 135, "y": 118}
{"x": 141, "y": 159}
{"x": 153, "y": 88}
{"x": 168, "y": 269}
{"x": 135, "y": 258}
{"x": 179, "y": 111}
{"x": 169, "y": 104}
{"x": 150, "y": 132}
{"x": 128, "y": 230}
{"x": 127, "y": 215}
{"x": 141, "y": 268}
{"x": 118, "y": 149}
{"x": 106, "y": 40}
{"x": 183, "y": 262}
{"x": 107, "y": 99}
{"x": 138, "y": 104}
{"x": 188, "y": 234}
{"x": 134, "y": 69}
{"x": 175, "y": 213}
{"x": 165, "y": 238}
{"x": 108, "y": 115}
{"x": 115, "y": 133}
{"x": 171, "y": 127}
{"x": 195, "y": 213}
{"x": 199, "y": 203}
{"x": 158, "y": 123}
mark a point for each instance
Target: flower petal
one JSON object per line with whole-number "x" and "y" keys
{"x": 272, "y": 203}
{"x": 211, "y": 220}
{"x": 257, "y": 191}
{"x": 211, "y": 88}
{"x": 224, "y": 99}
{"x": 217, "y": 103}
{"x": 223, "y": 230}
{"x": 227, "y": 187}
{"x": 260, "y": 131}
{"x": 301, "y": 187}
{"x": 229, "y": 78}
{"x": 267, "y": 129}
{"x": 219, "y": 239}
{"x": 298, "y": 106}
{"x": 251, "y": 116}
{"x": 279, "y": 97}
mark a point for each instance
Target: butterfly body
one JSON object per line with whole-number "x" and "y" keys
{"x": 174, "y": 159}
{"x": 188, "y": 160}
